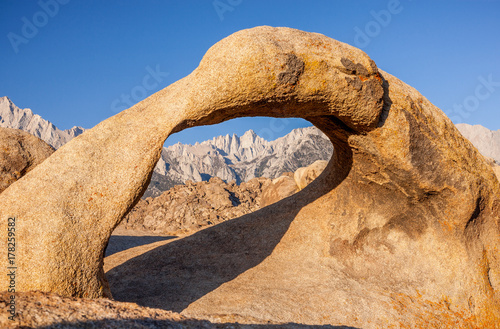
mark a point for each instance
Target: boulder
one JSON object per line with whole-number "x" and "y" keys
{"x": 401, "y": 229}
{"x": 280, "y": 188}
{"x": 188, "y": 208}
{"x": 20, "y": 152}
{"x": 305, "y": 175}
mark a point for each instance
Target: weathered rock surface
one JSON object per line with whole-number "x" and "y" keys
{"x": 20, "y": 152}
{"x": 405, "y": 217}
{"x": 190, "y": 207}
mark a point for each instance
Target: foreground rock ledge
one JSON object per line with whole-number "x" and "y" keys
{"x": 20, "y": 152}
{"x": 43, "y": 310}
{"x": 406, "y": 208}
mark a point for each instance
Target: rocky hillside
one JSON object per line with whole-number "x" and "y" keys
{"x": 190, "y": 207}
{"x": 12, "y": 116}
{"x": 187, "y": 208}
{"x": 243, "y": 158}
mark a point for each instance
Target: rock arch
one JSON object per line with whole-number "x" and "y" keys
{"x": 407, "y": 208}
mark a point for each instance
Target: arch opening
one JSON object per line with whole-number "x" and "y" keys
{"x": 176, "y": 273}
{"x": 225, "y": 177}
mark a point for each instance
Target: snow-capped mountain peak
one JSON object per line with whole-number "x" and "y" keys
{"x": 232, "y": 157}
{"x": 12, "y": 116}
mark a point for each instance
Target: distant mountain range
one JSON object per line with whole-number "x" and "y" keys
{"x": 485, "y": 140}
{"x": 228, "y": 157}
{"x": 12, "y": 116}
{"x": 239, "y": 158}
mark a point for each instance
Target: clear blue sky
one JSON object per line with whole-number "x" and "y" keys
{"x": 82, "y": 56}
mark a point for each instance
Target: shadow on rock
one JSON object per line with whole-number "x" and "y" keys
{"x": 119, "y": 243}
{"x": 174, "y": 275}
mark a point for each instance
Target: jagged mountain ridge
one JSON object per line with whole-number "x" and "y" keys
{"x": 239, "y": 158}
{"x": 12, "y": 116}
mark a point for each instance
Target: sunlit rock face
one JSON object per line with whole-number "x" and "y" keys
{"x": 20, "y": 152}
